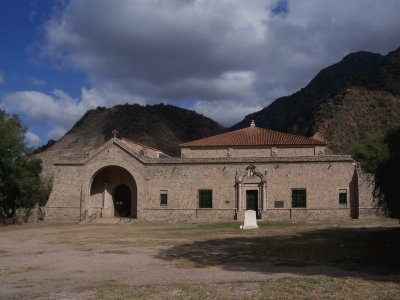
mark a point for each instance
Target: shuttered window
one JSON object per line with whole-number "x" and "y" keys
{"x": 342, "y": 197}
{"x": 205, "y": 198}
{"x": 299, "y": 198}
{"x": 163, "y": 198}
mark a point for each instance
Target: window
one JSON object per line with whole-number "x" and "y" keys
{"x": 205, "y": 198}
{"x": 299, "y": 198}
{"x": 163, "y": 198}
{"x": 342, "y": 197}
{"x": 279, "y": 204}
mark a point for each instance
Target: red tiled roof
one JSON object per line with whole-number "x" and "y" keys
{"x": 252, "y": 136}
{"x": 143, "y": 145}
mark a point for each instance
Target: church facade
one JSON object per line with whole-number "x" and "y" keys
{"x": 280, "y": 176}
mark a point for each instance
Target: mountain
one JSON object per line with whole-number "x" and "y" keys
{"x": 160, "y": 126}
{"x": 344, "y": 104}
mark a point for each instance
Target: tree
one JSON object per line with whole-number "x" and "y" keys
{"x": 386, "y": 175}
{"x": 20, "y": 183}
{"x": 371, "y": 153}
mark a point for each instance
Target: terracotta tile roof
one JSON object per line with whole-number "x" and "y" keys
{"x": 252, "y": 136}
{"x": 144, "y": 146}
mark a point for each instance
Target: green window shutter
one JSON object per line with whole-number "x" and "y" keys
{"x": 164, "y": 199}
{"x": 299, "y": 198}
{"x": 205, "y": 198}
{"x": 343, "y": 198}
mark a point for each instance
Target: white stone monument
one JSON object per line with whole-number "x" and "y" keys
{"x": 250, "y": 220}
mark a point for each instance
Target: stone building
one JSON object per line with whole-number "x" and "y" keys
{"x": 279, "y": 175}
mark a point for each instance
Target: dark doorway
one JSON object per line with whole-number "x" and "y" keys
{"x": 252, "y": 200}
{"x": 122, "y": 201}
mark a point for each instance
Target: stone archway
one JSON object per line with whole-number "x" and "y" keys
{"x": 122, "y": 201}
{"x": 113, "y": 192}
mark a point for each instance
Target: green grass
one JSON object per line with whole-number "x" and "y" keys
{"x": 315, "y": 287}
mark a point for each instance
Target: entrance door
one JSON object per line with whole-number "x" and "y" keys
{"x": 122, "y": 201}
{"x": 252, "y": 200}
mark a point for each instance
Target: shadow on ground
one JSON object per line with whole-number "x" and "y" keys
{"x": 369, "y": 250}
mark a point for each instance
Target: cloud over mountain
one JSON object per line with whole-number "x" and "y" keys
{"x": 213, "y": 56}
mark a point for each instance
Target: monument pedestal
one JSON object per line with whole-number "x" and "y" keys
{"x": 250, "y": 220}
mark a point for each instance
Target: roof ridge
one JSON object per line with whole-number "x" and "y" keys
{"x": 291, "y": 134}
{"x": 262, "y": 136}
{"x": 143, "y": 145}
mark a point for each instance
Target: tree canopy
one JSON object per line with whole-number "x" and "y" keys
{"x": 20, "y": 182}
{"x": 386, "y": 175}
{"x": 371, "y": 153}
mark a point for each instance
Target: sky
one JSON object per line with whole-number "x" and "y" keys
{"x": 223, "y": 59}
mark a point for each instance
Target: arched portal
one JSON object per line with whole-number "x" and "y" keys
{"x": 122, "y": 201}
{"x": 113, "y": 192}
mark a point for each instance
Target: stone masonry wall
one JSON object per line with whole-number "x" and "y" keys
{"x": 322, "y": 178}
{"x": 368, "y": 204}
{"x": 280, "y": 151}
{"x": 64, "y": 201}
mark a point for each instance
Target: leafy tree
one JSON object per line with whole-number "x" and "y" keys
{"x": 386, "y": 175}
{"x": 20, "y": 183}
{"x": 371, "y": 153}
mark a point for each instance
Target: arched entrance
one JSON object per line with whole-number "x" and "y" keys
{"x": 122, "y": 201}
{"x": 113, "y": 193}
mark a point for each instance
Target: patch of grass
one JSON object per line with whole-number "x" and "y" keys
{"x": 315, "y": 287}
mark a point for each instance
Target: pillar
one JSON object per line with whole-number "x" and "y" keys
{"x": 239, "y": 196}
{"x": 107, "y": 199}
{"x": 264, "y": 196}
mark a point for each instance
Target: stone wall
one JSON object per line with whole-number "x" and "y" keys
{"x": 323, "y": 177}
{"x": 198, "y": 215}
{"x": 300, "y": 214}
{"x": 280, "y": 151}
{"x": 64, "y": 203}
{"x": 368, "y": 203}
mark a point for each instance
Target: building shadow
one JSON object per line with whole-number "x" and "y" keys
{"x": 370, "y": 253}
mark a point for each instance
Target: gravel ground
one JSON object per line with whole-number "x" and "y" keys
{"x": 47, "y": 263}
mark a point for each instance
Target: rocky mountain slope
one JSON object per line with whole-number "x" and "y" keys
{"x": 344, "y": 104}
{"x": 160, "y": 126}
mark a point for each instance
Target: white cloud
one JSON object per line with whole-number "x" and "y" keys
{"x": 175, "y": 51}
{"x": 56, "y": 132}
{"x": 58, "y": 111}
{"x": 31, "y": 139}
{"x": 58, "y": 107}
{"x": 224, "y": 111}
{"x": 37, "y": 82}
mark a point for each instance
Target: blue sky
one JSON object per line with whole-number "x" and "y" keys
{"x": 224, "y": 59}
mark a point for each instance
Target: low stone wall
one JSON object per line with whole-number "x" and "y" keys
{"x": 200, "y": 215}
{"x": 371, "y": 212}
{"x": 306, "y": 214}
{"x": 62, "y": 214}
{"x": 168, "y": 215}
{"x": 218, "y": 215}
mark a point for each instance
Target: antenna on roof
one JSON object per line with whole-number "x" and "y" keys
{"x": 252, "y": 124}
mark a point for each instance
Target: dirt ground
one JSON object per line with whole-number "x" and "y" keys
{"x": 43, "y": 261}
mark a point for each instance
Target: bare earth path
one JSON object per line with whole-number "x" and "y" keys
{"x": 73, "y": 261}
